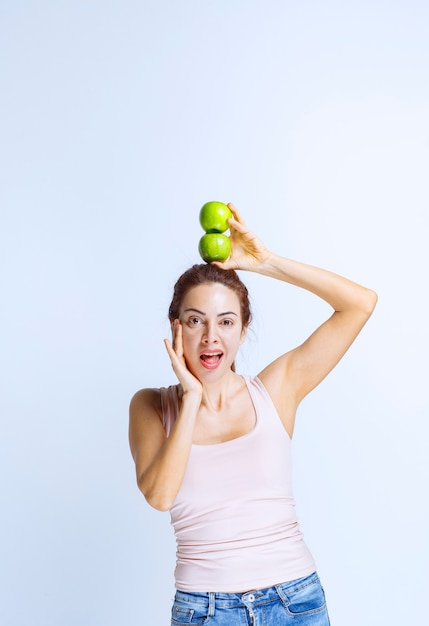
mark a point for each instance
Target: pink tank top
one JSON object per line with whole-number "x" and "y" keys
{"x": 234, "y": 516}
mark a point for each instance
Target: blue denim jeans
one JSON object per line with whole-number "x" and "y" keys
{"x": 298, "y": 602}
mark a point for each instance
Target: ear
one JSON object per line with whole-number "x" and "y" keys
{"x": 243, "y": 334}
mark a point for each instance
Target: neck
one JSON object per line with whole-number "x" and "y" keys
{"x": 217, "y": 394}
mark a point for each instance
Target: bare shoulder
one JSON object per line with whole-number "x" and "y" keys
{"x": 146, "y": 401}
{"x": 146, "y": 430}
{"x": 278, "y": 382}
{"x": 276, "y": 376}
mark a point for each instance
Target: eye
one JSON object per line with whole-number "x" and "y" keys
{"x": 194, "y": 321}
{"x": 227, "y": 322}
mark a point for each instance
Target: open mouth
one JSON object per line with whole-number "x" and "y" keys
{"x": 210, "y": 360}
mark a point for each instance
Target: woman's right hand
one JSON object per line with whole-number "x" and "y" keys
{"x": 187, "y": 380}
{"x": 161, "y": 460}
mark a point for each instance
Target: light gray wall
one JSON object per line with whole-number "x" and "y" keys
{"x": 118, "y": 121}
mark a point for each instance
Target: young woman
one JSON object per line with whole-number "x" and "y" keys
{"x": 215, "y": 449}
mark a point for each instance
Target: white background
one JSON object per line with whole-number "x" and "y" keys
{"x": 118, "y": 120}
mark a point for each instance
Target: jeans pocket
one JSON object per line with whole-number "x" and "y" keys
{"x": 182, "y": 613}
{"x": 306, "y": 599}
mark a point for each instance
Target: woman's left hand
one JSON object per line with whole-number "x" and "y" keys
{"x": 247, "y": 251}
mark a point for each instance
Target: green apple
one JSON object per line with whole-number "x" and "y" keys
{"x": 214, "y": 247}
{"x": 214, "y": 216}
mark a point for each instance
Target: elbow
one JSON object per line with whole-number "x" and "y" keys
{"x": 161, "y": 504}
{"x": 159, "y": 501}
{"x": 370, "y": 301}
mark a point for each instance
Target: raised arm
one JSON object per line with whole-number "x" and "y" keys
{"x": 294, "y": 374}
{"x": 160, "y": 461}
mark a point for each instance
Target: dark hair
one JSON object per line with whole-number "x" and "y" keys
{"x": 207, "y": 273}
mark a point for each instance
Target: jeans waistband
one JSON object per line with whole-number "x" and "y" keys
{"x": 253, "y": 596}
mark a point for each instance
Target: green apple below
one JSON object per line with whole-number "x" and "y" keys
{"x": 214, "y": 247}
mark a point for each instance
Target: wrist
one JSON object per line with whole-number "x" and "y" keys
{"x": 268, "y": 264}
{"x": 191, "y": 396}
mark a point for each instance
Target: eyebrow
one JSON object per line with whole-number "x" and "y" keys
{"x": 202, "y": 312}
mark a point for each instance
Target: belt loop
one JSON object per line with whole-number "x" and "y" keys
{"x": 211, "y": 604}
{"x": 282, "y": 595}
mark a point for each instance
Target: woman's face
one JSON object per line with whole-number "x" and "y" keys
{"x": 212, "y": 329}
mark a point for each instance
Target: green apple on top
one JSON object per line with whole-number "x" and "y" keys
{"x": 214, "y": 216}
{"x": 214, "y": 245}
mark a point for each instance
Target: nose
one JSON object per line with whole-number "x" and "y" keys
{"x": 210, "y": 334}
